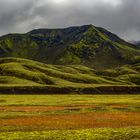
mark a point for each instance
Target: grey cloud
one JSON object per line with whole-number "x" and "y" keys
{"x": 119, "y": 16}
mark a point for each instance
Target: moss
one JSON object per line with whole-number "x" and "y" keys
{"x": 23, "y": 73}
{"x": 88, "y": 45}
{"x": 70, "y": 58}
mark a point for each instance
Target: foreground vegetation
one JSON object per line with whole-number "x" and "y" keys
{"x": 45, "y": 112}
{"x": 70, "y": 100}
{"x": 69, "y": 117}
{"x": 87, "y": 134}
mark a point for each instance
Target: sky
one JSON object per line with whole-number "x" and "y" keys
{"x": 121, "y": 17}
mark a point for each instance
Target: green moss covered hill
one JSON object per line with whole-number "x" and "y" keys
{"x": 23, "y": 76}
{"x": 86, "y": 45}
{"x": 85, "y": 59}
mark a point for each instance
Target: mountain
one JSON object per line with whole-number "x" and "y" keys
{"x": 26, "y": 76}
{"x": 85, "y": 45}
{"x": 137, "y": 43}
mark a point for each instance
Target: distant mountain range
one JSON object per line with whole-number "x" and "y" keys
{"x": 135, "y": 43}
{"x": 87, "y": 45}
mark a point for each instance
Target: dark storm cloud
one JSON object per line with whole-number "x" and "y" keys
{"x": 119, "y": 16}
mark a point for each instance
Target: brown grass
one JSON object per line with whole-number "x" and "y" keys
{"x": 43, "y": 108}
{"x": 75, "y": 121}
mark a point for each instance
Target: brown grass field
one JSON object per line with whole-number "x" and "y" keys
{"x": 50, "y": 112}
{"x": 70, "y": 117}
{"x": 74, "y": 121}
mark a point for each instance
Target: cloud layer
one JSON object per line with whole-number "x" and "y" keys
{"x": 119, "y": 16}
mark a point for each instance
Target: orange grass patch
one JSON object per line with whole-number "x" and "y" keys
{"x": 42, "y": 108}
{"x": 75, "y": 121}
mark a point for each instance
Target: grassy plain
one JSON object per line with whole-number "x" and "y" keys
{"x": 70, "y": 117}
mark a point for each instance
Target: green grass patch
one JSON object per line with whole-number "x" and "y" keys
{"x": 29, "y": 100}
{"x": 87, "y": 134}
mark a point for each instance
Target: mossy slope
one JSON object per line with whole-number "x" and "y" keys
{"x": 15, "y": 72}
{"x": 86, "y": 45}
